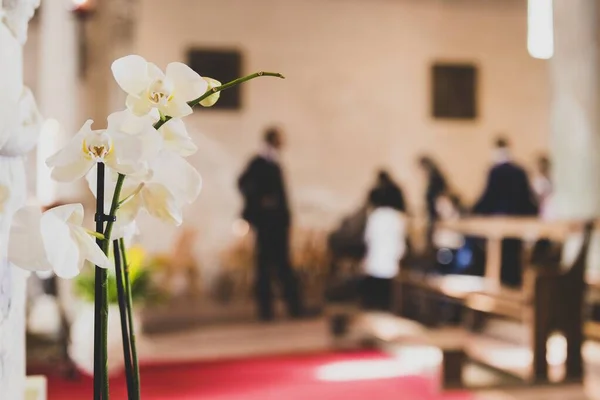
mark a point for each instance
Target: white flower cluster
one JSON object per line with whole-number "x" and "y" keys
{"x": 158, "y": 177}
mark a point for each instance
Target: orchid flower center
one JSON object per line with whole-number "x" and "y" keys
{"x": 97, "y": 145}
{"x": 160, "y": 92}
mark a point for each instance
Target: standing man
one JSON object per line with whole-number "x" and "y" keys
{"x": 266, "y": 210}
{"x": 507, "y": 192}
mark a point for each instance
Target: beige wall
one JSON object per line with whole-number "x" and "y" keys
{"x": 356, "y": 96}
{"x": 357, "y": 92}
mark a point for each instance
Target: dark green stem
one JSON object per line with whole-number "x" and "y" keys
{"x": 102, "y": 281}
{"x": 131, "y": 395}
{"x": 217, "y": 89}
{"x": 132, "y": 340}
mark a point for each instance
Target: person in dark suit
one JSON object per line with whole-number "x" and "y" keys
{"x": 507, "y": 192}
{"x": 436, "y": 187}
{"x": 266, "y": 209}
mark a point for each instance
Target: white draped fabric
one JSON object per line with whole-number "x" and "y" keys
{"x": 19, "y": 130}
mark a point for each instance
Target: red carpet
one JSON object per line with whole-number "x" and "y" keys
{"x": 312, "y": 377}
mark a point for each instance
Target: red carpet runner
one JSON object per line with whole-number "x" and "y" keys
{"x": 349, "y": 376}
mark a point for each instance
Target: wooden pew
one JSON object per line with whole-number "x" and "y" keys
{"x": 551, "y": 298}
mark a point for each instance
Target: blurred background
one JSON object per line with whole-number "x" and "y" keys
{"x": 426, "y": 96}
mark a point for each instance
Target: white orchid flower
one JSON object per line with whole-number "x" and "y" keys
{"x": 213, "y": 98}
{"x": 147, "y": 87}
{"x": 53, "y": 241}
{"x": 126, "y": 145}
{"x": 176, "y": 138}
{"x": 171, "y": 184}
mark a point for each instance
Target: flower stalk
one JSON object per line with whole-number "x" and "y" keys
{"x": 210, "y": 92}
{"x": 100, "y": 301}
{"x": 129, "y": 304}
{"x": 101, "y": 384}
{"x": 125, "y": 335}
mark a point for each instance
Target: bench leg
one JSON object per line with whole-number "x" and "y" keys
{"x": 452, "y": 368}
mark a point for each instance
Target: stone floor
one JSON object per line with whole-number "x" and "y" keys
{"x": 251, "y": 339}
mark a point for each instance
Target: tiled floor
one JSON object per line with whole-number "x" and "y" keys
{"x": 233, "y": 341}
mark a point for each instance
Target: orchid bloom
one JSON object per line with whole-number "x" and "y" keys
{"x": 213, "y": 98}
{"x": 53, "y": 241}
{"x": 176, "y": 138}
{"x": 148, "y": 88}
{"x": 126, "y": 145}
{"x": 171, "y": 184}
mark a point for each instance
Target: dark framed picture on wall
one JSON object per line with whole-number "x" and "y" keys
{"x": 454, "y": 91}
{"x": 223, "y": 65}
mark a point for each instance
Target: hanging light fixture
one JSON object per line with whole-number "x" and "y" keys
{"x": 540, "y": 29}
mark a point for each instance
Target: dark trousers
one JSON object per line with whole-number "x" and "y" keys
{"x": 273, "y": 259}
{"x": 376, "y": 293}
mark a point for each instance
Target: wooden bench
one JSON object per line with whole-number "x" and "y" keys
{"x": 451, "y": 344}
{"x": 550, "y": 300}
{"x": 541, "y": 303}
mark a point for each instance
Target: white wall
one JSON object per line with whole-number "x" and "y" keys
{"x": 356, "y": 95}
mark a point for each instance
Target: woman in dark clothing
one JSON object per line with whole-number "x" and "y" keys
{"x": 436, "y": 186}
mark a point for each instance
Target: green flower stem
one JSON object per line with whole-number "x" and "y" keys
{"x": 126, "y": 338}
{"x": 214, "y": 90}
{"x": 102, "y": 298}
{"x": 114, "y": 206}
{"x": 132, "y": 340}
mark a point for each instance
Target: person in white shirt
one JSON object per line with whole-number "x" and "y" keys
{"x": 385, "y": 238}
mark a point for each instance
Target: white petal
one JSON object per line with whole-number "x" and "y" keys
{"x": 177, "y": 138}
{"x": 178, "y": 175}
{"x": 126, "y": 216}
{"x": 127, "y": 122}
{"x": 63, "y": 252}
{"x": 70, "y": 163}
{"x": 71, "y": 213}
{"x": 160, "y": 203}
{"x": 132, "y": 152}
{"x": 138, "y": 105}
{"x": 131, "y": 74}
{"x": 89, "y": 248}
{"x": 176, "y": 108}
{"x": 25, "y": 245}
{"x": 154, "y": 72}
{"x": 135, "y": 143}
{"x": 188, "y": 84}
{"x": 72, "y": 172}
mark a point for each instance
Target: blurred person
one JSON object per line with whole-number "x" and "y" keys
{"x": 507, "y": 192}
{"x": 266, "y": 209}
{"x": 391, "y": 194}
{"x": 385, "y": 238}
{"x": 371, "y": 286}
{"x": 436, "y": 186}
{"x": 542, "y": 185}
